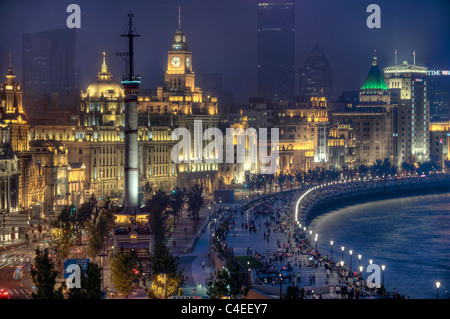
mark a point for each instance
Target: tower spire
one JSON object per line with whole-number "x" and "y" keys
{"x": 374, "y": 62}
{"x": 179, "y": 18}
{"x": 131, "y": 34}
{"x": 104, "y": 66}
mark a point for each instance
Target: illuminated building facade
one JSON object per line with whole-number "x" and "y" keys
{"x": 179, "y": 104}
{"x": 408, "y": 87}
{"x": 371, "y": 122}
{"x": 52, "y": 157}
{"x": 276, "y": 49}
{"x": 303, "y": 128}
{"x": 9, "y": 183}
{"x": 440, "y": 142}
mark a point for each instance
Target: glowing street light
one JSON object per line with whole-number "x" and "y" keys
{"x": 331, "y": 243}
{"x": 342, "y": 248}
{"x": 438, "y": 284}
{"x": 383, "y": 267}
{"x": 351, "y": 252}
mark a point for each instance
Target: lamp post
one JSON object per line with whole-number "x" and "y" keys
{"x": 351, "y": 253}
{"x": 342, "y": 248}
{"x": 342, "y": 278}
{"x": 438, "y": 284}
{"x": 359, "y": 260}
{"x": 370, "y": 261}
{"x": 209, "y": 207}
{"x": 310, "y": 236}
{"x": 360, "y": 277}
{"x": 331, "y": 244}
{"x": 281, "y": 293}
{"x": 248, "y": 266}
{"x": 383, "y": 267}
{"x": 315, "y": 239}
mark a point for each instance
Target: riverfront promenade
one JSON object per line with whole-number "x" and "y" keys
{"x": 319, "y": 277}
{"x": 287, "y": 246}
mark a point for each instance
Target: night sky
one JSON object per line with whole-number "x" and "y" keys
{"x": 222, "y": 36}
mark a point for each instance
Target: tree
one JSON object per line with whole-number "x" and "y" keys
{"x": 63, "y": 234}
{"x": 177, "y": 200}
{"x": 159, "y": 204}
{"x": 166, "y": 277}
{"x": 292, "y": 293}
{"x": 44, "y": 277}
{"x": 98, "y": 231}
{"x": 123, "y": 272}
{"x": 91, "y": 284}
{"x": 225, "y": 282}
{"x": 195, "y": 203}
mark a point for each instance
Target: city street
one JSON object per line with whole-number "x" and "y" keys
{"x": 15, "y": 271}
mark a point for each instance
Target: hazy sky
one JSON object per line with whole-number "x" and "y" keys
{"x": 222, "y": 36}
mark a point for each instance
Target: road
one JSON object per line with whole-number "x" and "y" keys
{"x": 15, "y": 271}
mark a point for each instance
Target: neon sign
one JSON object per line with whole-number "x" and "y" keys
{"x": 438, "y": 72}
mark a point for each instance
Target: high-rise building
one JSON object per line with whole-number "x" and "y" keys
{"x": 408, "y": 87}
{"x": 316, "y": 78}
{"x": 276, "y": 49}
{"x": 50, "y": 76}
{"x": 439, "y": 95}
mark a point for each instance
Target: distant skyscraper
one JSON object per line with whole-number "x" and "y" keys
{"x": 50, "y": 78}
{"x": 213, "y": 86}
{"x": 276, "y": 49}
{"x": 439, "y": 95}
{"x": 316, "y": 78}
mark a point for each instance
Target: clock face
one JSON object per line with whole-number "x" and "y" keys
{"x": 188, "y": 62}
{"x": 176, "y": 62}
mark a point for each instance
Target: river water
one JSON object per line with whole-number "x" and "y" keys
{"x": 410, "y": 236}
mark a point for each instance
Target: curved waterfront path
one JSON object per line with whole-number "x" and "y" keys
{"x": 239, "y": 238}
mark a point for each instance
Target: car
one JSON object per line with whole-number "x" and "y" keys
{"x": 4, "y": 294}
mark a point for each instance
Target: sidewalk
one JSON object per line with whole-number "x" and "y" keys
{"x": 240, "y": 239}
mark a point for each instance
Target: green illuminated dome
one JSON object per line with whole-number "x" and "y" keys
{"x": 374, "y": 80}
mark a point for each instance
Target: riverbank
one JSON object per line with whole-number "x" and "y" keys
{"x": 323, "y": 198}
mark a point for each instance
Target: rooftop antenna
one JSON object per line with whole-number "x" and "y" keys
{"x": 179, "y": 18}
{"x": 132, "y": 33}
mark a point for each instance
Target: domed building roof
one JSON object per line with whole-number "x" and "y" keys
{"x": 374, "y": 80}
{"x": 104, "y": 85}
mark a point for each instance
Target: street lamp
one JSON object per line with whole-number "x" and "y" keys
{"x": 248, "y": 265}
{"x": 351, "y": 252}
{"x": 331, "y": 243}
{"x": 280, "y": 286}
{"x": 342, "y": 248}
{"x": 438, "y": 284}
{"x": 315, "y": 239}
{"x": 370, "y": 261}
{"x": 310, "y": 236}
{"x": 209, "y": 207}
{"x": 383, "y": 267}
{"x": 360, "y": 277}
{"x": 359, "y": 260}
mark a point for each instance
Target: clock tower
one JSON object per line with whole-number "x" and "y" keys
{"x": 179, "y": 75}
